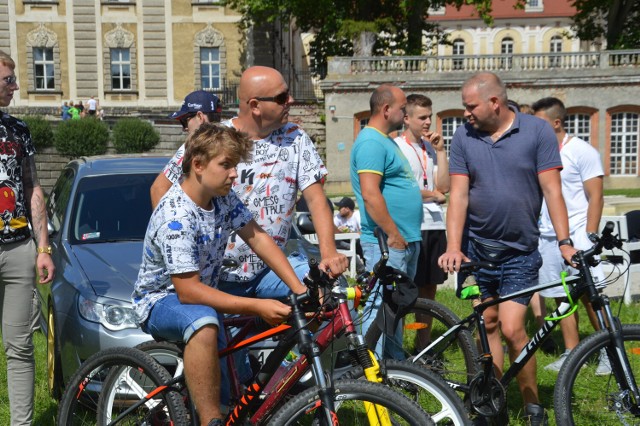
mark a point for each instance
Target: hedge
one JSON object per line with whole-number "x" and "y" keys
{"x": 78, "y": 138}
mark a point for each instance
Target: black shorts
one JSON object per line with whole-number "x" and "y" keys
{"x": 433, "y": 245}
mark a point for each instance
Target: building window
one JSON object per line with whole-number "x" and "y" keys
{"x": 436, "y": 10}
{"x": 579, "y": 125}
{"x": 506, "y": 50}
{"x": 449, "y": 127}
{"x": 120, "y": 69}
{"x": 210, "y": 67}
{"x": 534, "y": 6}
{"x": 555, "y": 46}
{"x": 43, "y": 68}
{"x": 624, "y": 144}
{"x": 458, "y": 50}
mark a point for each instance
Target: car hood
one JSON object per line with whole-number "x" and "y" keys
{"x": 111, "y": 268}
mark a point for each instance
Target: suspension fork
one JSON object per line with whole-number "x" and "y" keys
{"x": 310, "y": 349}
{"x": 617, "y": 355}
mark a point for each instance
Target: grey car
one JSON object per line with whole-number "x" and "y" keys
{"x": 98, "y": 212}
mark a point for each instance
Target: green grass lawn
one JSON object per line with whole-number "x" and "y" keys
{"x": 45, "y": 407}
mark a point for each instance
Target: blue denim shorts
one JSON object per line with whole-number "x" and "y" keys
{"x": 176, "y": 322}
{"x": 518, "y": 273}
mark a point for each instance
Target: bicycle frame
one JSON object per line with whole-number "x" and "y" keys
{"x": 340, "y": 323}
{"x": 579, "y": 285}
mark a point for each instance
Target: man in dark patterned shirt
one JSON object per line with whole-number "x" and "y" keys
{"x": 21, "y": 200}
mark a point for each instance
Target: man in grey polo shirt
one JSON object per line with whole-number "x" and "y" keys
{"x": 502, "y": 164}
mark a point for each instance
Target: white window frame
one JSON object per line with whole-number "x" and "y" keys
{"x": 208, "y": 83}
{"x": 534, "y": 6}
{"x": 47, "y": 69}
{"x": 449, "y": 126}
{"x": 121, "y": 64}
{"x": 579, "y": 125}
{"x": 623, "y": 157}
{"x": 506, "y": 48}
{"x": 458, "y": 50}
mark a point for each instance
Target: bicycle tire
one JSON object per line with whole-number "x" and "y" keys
{"x": 423, "y": 386}
{"x": 167, "y": 354}
{"x": 582, "y": 397}
{"x": 350, "y": 396}
{"x": 457, "y": 361}
{"x": 82, "y": 402}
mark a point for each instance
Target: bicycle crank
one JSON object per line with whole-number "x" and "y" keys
{"x": 487, "y": 397}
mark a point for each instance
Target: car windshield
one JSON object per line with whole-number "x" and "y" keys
{"x": 111, "y": 208}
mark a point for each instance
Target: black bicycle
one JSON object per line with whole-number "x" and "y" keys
{"x": 581, "y": 396}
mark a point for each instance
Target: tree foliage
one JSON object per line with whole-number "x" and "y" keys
{"x": 399, "y": 24}
{"x": 617, "y": 21}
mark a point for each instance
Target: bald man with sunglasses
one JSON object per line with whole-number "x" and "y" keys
{"x": 284, "y": 161}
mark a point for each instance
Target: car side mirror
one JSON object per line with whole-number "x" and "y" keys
{"x": 305, "y": 224}
{"x": 50, "y": 229}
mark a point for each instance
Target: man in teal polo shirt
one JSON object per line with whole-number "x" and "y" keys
{"x": 388, "y": 196}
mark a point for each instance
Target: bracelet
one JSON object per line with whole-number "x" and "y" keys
{"x": 46, "y": 249}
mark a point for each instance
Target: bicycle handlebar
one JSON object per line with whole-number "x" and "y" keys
{"x": 606, "y": 240}
{"x": 474, "y": 266}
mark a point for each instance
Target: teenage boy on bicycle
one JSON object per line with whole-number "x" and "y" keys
{"x": 175, "y": 296}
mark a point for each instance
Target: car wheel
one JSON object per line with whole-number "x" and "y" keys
{"x": 54, "y": 375}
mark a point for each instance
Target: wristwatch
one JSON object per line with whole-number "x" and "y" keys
{"x": 593, "y": 237}
{"x": 46, "y": 249}
{"x": 565, "y": 242}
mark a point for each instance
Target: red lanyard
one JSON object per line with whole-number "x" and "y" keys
{"x": 565, "y": 140}
{"x": 423, "y": 161}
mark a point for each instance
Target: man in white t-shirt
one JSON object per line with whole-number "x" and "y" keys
{"x": 582, "y": 185}
{"x": 92, "y": 106}
{"x": 347, "y": 219}
{"x": 428, "y": 160}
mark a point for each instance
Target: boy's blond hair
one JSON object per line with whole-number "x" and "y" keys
{"x": 211, "y": 140}
{"x": 6, "y": 60}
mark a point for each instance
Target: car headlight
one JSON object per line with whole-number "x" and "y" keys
{"x": 113, "y": 317}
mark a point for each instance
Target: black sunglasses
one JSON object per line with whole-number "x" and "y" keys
{"x": 280, "y": 99}
{"x": 184, "y": 120}
{"x": 10, "y": 79}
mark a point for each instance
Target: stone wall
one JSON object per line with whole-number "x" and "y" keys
{"x": 49, "y": 163}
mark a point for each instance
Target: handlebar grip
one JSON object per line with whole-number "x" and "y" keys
{"x": 474, "y": 266}
{"x": 609, "y": 227}
{"x": 382, "y": 239}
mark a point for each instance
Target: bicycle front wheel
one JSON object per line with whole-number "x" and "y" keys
{"x": 114, "y": 380}
{"x": 585, "y": 394}
{"x": 423, "y": 386}
{"x": 455, "y": 359}
{"x": 355, "y": 403}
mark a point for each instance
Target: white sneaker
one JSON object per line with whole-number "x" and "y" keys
{"x": 604, "y": 366}
{"x": 557, "y": 364}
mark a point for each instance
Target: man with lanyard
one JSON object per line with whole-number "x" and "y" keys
{"x": 428, "y": 160}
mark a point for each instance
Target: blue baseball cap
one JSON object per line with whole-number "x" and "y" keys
{"x": 199, "y": 100}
